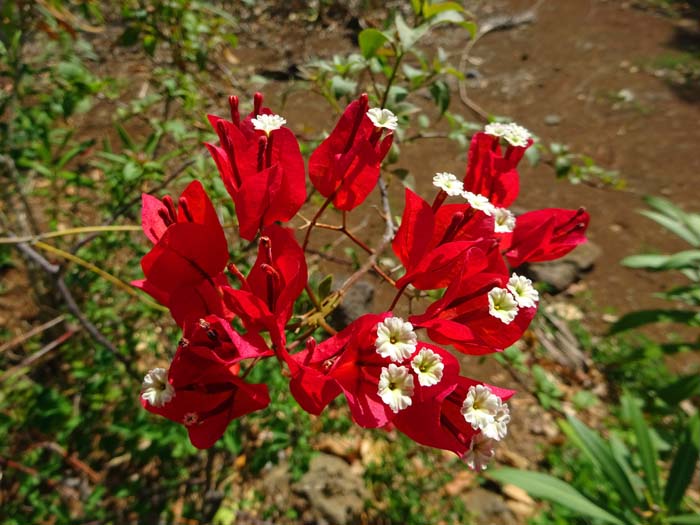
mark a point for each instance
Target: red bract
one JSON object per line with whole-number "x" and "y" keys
{"x": 214, "y": 339}
{"x": 545, "y": 235}
{"x": 491, "y": 172}
{"x": 190, "y": 245}
{"x": 346, "y": 362}
{"x": 191, "y": 302}
{"x": 345, "y": 166}
{"x": 263, "y": 171}
{"x": 207, "y": 397}
{"x": 440, "y": 423}
{"x": 461, "y": 318}
{"x": 266, "y": 297}
{"x": 434, "y": 246}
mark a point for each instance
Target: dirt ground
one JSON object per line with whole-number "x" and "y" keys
{"x": 592, "y": 64}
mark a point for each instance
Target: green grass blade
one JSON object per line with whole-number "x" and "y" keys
{"x": 555, "y": 490}
{"x": 599, "y": 453}
{"x": 648, "y": 454}
{"x": 683, "y": 466}
{"x": 685, "y": 519}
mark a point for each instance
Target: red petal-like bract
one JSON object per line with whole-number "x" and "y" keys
{"x": 264, "y": 174}
{"x": 434, "y": 247}
{"x": 545, "y": 235}
{"x": 453, "y": 246}
{"x": 208, "y": 396}
{"x": 491, "y": 172}
{"x": 439, "y": 423}
{"x": 345, "y": 166}
{"x": 461, "y": 317}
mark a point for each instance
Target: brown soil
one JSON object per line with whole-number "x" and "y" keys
{"x": 571, "y": 62}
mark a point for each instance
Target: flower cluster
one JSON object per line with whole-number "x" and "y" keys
{"x": 389, "y": 376}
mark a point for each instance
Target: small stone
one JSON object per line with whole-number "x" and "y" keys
{"x": 333, "y": 490}
{"x": 552, "y": 120}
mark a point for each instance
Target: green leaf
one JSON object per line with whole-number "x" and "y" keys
{"x": 682, "y": 388}
{"x": 324, "y": 287}
{"x": 430, "y": 10}
{"x": 599, "y": 453}
{"x": 648, "y": 454}
{"x": 417, "y": 6}
{"x": 677, "y": 261}
{"x": 370, "y": 40}
{"x": 441, "y": 95}
{"x": 688, "y": 294}
{"x": 643, "y": 317}
{"x": 555, "y": 490}
{"x": 685, "y": 519}
{"x": 683, "y": 466}
{"x": 674, "y": 226}
{"x": 408, "y": 35}
{"x": 341, "y": 87}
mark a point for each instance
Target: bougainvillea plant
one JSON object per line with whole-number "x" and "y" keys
{"x": 393, "y": 372}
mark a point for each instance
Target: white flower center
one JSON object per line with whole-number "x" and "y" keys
{"x": 514, "y": 134}
{"x": 383, "y": 118}
{"x": 396, "y": 387}
{"x": 498, "y": 428}
{"x": 523, "y": 291}
{"x": 268, "y": 123}
{"x": 480, "y": 452}
{"x": 428, "y": 366}
{"x": 448, "y": 183}
{"x": 395, "y": 339}
{"x": 156, "y": 389}
{"x": 480, "y": 407}
{"x": 502, "y": 305}
{"x": 479, "y": 202}
{"x": 504, "y": 220}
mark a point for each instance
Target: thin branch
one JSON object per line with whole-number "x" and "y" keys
{"x": 69, "y": 231}
{"x": 71, "y": 304}
{"x": 34, "y": 331}
{"x": 37, "y": 355}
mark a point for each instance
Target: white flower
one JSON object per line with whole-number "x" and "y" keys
{"x": 448, "y": 183}
{"x": 480, "y": 452}
{"x": 504, "y": 220}
{"x": 502, "y": 305}
{"x": 480, "y": 407}
{"x": 428, "y": 366}
{"x": 523, "y": 291}
{"x": 395, "y": 339}
{"x": 383, "y": 118}
{"x": 268, "y": 123}
{"x": 156, "y": 390}
{"x": 396, "y": 387}
{"x": 479, "y": 202}
{"x": 498, "y": 428}
{"x": 514, "y": 134}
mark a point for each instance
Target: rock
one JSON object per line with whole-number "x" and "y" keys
{"x": 552, "y": 120}
{"x": 489, "y": 508}
{"x": 357, "y": 302}
{"x": 584, "y": 256}
{"x": 564, "y": 272}
{"x": 559, "y": 275}
{"x": 333, "y": 490}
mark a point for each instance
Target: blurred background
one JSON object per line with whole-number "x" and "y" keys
{"x": 101, "y": 101}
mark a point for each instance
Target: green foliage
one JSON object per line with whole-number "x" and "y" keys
{"x": 392, "y": 66}
{"x": 629, "y": 486}
{"x": 189, "y": 29}
{"x": 685, "y": 225}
